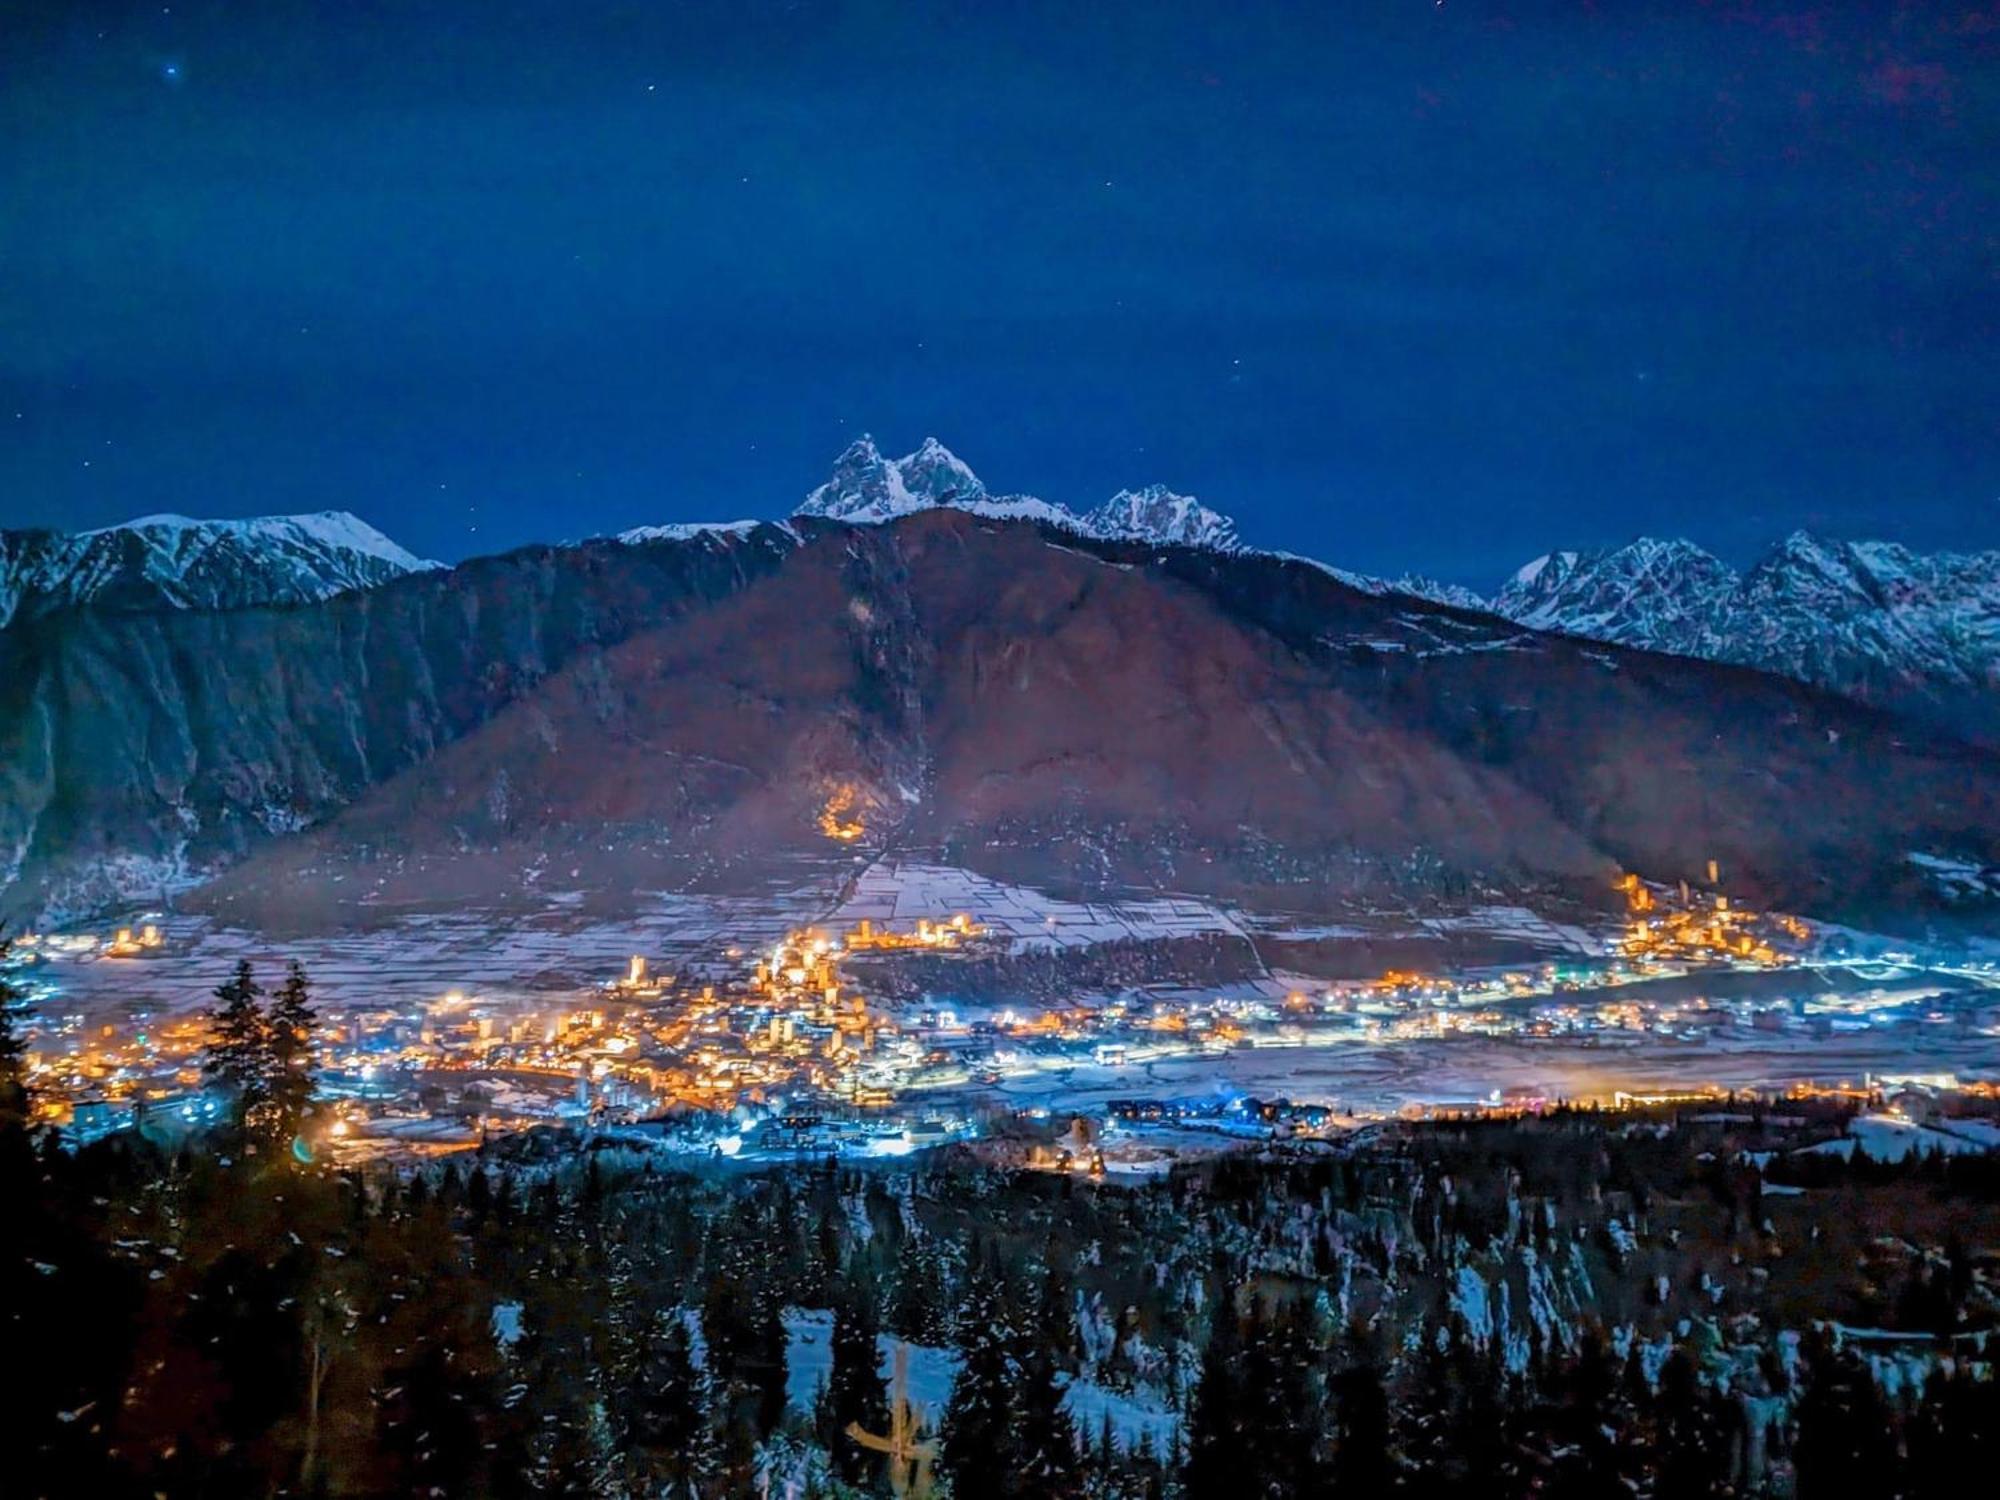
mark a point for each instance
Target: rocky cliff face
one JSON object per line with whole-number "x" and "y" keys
{"x": 1031, "y": 699}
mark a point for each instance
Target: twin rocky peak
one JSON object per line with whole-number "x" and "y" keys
{"x": 867, "y": 487}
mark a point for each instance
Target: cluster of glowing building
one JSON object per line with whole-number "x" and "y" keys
{"x": 792, "y": 1032}
{"x": 1700, "y": 928}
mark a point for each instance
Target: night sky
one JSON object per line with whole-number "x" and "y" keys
{"x": 1397, "y": 283}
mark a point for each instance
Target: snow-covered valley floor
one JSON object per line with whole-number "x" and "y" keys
{"x": 560, "y": 943}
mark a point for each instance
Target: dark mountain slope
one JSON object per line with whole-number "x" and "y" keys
{"x": 1662, "y": 762}
{"x": 1103, "y": 713}
{"x": 137, "y": 748}
{"x": 1094, "y": 712}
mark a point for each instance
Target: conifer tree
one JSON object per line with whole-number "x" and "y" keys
{"x": 236, "y": 1057}
{"x": 917, "y": 1307}
{"x": 672, "y": 1421}
{"x": 1049, "y": 1467}
{"x": 1216, "y": 1446}
{"x": 725, "y": 1312}
{"x": 766, "y": 1364}
{"x": 1055, "y": 1320}
{"x": 1361, "y": 1461}
{"x": 1846, "y": 1445}
{"x": 1691, "y": 1455}
{"x": 478, "y": 1195}
{"x": 977, "y": 1450}
{"x": 730, "y": 1460}
{"x": 1284, "y": 1414}
{"x": 291, "y": 1028}
{"x": 13, "y": 1052}
{"x": 855, "y": 1390}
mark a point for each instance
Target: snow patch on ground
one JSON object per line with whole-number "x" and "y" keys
{"x": 1893, "y": 1138}
{"x": 898, "y": 893}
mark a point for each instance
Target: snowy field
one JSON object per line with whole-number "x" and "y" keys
{"x": 898, "y": 892}
{"x": 1512, "y": 925}
{"x": 1893, "y": 1138}
{"x": 1519, "y": 922}
{"x": 421, "y": 957}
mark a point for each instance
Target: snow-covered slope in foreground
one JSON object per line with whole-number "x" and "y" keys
{"x": 172, "y": 562}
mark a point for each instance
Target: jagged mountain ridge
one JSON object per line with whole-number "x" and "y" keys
{"x": 1873, "y": 620}
{"x": 868, "y": 488}
{"x": 1033, "y": 701}
{"x": 172, "y": 562}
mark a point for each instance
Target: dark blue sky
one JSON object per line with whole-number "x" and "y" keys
{"x": 1401, "y": 284}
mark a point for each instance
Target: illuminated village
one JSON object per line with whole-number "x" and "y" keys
{"x": 786, "y": 1050}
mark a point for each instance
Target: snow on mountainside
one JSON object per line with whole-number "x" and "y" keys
{"x": 867, "y": 488}
{"x": 1872, "y": 620}
{"x": 683, "y": 531}
{"x": 1156, "y": 513}
{"x": 172, "y": 562}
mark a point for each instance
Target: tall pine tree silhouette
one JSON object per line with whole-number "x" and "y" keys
{"x": 855, "y": 1391}
{"x": 236, "y": 1057}
{"x": 13, "y": 1053}
{"x": 290, "y": 1027}
{"x": 1217, "y": 1449}
{"x": 980, "y": 1454}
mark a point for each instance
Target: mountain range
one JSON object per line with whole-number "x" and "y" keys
{"x": 1872, "y": 620}
{"x": 172, "y": 562}
{"x": 1029, "y": 699}
{"x": 1875, "y": 621}
{"x": 866, "y": 487}
{"x": 1122, "y": 695}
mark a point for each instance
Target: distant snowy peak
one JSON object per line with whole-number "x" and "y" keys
{"x": 174, "y": 562}
{"x": 1457, "y": 595}
{"x": 1156, "y": 513}
{"x": 1873, "y": 620}
{"x": 683, "y": 531}
{"x": 1647, "y": 586}
{"x": 868, "y": 488}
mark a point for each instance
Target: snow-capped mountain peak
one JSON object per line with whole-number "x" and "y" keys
{"x": 1642, "y": 585}
{"x": 1528, "y": 574}
{"x": 936, "y": 474}
{"x": 335, "y": 531}
{"x": 866, "y": 488}
{"x": 176, "y": 562}
{"x": 1156, "y": 513}
{"x": 1872, "y": 620}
